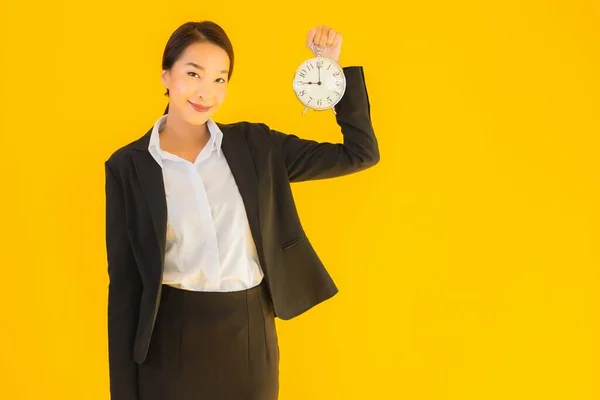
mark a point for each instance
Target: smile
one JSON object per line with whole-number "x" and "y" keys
{"x": 199, "y": 108}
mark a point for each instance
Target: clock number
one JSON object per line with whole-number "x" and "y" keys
{"x": 339, "y": 94}
{"x": 309, "y": 100}
{"x": 329, "y": 99}
{"x": 303, "y": 73}
{"x": 337, "y": 73}
{"x": 319, "y": 102}
{"x": 328, "y": 67}
{"x": 319, "y": 63}
{"x": 310, "y": 66}
{"x": 338, "y": 83}
{"x": 302, "y": 92}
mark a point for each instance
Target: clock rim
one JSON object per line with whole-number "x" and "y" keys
{"x": 343, "y": 78}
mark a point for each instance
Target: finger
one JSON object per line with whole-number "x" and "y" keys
{"x": 317, "y": 37}
{"x": 310, "y": 37}
{"x": 323, "y": 38}
{"x": 330, "y": 37}
{"x": 337, "y": 40}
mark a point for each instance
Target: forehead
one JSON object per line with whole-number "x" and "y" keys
{"x": 206, "y": 54}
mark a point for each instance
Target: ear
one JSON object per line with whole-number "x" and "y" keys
{"x": 164, "y": 78}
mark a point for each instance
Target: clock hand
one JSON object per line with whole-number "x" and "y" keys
{"x": 319, "y": 68}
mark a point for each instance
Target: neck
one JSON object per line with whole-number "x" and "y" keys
{"x": 176, "y": 130}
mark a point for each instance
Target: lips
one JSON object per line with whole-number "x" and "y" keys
{"x": 199, "y": 107}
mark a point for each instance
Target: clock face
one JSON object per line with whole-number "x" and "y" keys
{"x": 319, "y": 83}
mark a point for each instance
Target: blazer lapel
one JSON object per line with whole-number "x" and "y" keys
{"x": 237, "y": 152}
{"x": 151, "y": 180}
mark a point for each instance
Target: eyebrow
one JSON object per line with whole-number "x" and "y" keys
{"x": 200, "y": 67}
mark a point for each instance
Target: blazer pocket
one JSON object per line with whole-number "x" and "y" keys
{"x": 293, "y": 243}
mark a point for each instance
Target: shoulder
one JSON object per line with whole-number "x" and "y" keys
{"x": 244, "y": 127}
{"x": 120, "y": 156}
{"x": 254, "y": 132}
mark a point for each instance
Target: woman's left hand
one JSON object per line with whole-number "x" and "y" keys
{"x": 327, "y": 38}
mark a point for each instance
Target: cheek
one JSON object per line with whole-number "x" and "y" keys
{"x": 221, "y": 93}
{"x": 182, "y": 88}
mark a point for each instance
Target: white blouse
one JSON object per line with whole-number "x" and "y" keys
{"x": 209, "y": 244}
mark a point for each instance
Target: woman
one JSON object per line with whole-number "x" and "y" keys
{"x": 204, "y": 244}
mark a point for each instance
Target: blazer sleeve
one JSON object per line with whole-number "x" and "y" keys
{"x": 307, "y": 159}
{"x": 124, "y": 293}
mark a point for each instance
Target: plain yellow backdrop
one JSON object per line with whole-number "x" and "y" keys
{"x": 467, "y": 260}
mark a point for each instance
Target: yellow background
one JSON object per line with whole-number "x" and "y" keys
{"x": 468, "y": 259}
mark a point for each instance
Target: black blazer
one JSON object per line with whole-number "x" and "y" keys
{"x": 264, "y": 162}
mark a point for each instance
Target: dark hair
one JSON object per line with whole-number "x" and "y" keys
{"x": 195, "y": 32}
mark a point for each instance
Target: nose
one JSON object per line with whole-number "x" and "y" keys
{"x": 204, "y": 90}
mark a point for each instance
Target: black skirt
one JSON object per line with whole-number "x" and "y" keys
{"x": 212, "y": 345}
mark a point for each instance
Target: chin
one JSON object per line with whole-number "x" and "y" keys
{"x": 197, "y": 121}
{"x": 196, "y": 118}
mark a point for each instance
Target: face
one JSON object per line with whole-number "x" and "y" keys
{"x": 197, "y": 79}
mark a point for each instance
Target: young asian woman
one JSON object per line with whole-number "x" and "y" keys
{"x": 204, "y": 244}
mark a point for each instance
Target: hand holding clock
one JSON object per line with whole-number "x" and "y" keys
{"x": 319, "y": 82}
{"x": 325, "y": 38}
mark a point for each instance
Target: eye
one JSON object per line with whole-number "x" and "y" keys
{"x": 220, "y": 80}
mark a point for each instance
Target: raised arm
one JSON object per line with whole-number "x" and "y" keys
{"x": 308, "y": 159}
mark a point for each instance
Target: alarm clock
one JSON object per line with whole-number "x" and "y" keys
{"x": 319, "y": 82}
